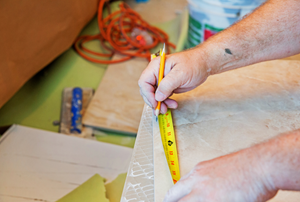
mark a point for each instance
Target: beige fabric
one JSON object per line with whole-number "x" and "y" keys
{"x": 33, "y": 33}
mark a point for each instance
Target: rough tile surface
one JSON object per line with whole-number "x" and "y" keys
{"x": 229, "y": 112}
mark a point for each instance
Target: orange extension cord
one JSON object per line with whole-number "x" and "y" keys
{"x": 116, "y": 29}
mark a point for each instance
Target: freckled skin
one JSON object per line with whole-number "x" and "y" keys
{"x": 271, "y": 32}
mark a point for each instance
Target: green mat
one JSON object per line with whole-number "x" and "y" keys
{"x": 93, "y": 190}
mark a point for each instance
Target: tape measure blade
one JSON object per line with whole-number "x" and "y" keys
{"x": 169, "y": 144}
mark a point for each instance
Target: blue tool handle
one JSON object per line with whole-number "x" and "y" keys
{"x": 76, "y": 108}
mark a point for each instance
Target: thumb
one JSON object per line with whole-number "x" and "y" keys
{"x": 181, "y": 189}
{"x": 167, "y": 85}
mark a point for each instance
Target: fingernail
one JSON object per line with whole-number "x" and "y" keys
{"x": 159, "y": 96}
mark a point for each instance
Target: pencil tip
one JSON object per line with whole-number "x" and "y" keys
{"x": 156, "y": 112}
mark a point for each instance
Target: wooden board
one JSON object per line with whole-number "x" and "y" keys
{"x": 229, "y": 112}
{"x": 117, "y": 104}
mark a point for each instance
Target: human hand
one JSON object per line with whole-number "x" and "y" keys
{"x": 242, "y": 176}
{"x": 183, "y": 72}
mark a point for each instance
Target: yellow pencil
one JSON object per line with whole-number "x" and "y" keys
{"x": 161, "y": 75}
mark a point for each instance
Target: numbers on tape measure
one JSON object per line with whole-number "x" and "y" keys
{"x": 169, "y": 144}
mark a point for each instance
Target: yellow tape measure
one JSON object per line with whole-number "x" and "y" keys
{"x": 169, "y": 142}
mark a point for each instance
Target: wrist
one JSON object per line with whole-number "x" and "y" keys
{"x": 261, "y": 169}
{"x": 264, "y": 166}
{"x": 218, "y": 56}
{"x": 284, "y": 159}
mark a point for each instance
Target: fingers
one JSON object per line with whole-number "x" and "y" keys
{"x": 178, "y": 191}
{"x": 147, "y": 82}
{"x": 172, "y": 104}
{"x": 168, "y": 103}
{"x": 146, "y": 100}
{"x": 163, "y": 108}
{"x": 181, "y": 73}
{"x": 167, "y": 85}
{"x": 148, "y": 96}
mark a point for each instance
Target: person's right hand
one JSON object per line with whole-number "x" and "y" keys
{"x": 184, "y": 71}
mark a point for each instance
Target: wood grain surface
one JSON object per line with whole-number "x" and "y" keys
{"x": 117, "y": 104}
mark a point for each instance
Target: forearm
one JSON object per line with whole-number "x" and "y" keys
{"x": 276, "y": 162}
{"x": 282, "y": 160}
{"x": 270, "y": 32}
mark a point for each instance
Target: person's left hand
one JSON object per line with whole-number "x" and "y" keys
{"x": 241, "y": 176}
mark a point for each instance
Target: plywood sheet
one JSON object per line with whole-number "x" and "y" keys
{"x": 229, "y": 112}
{"x": 117, "y": 104}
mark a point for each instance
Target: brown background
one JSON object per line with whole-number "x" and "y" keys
{"x": 33, "y": 33}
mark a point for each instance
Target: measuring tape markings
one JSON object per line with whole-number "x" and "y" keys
{"x": 169, "y": 143}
